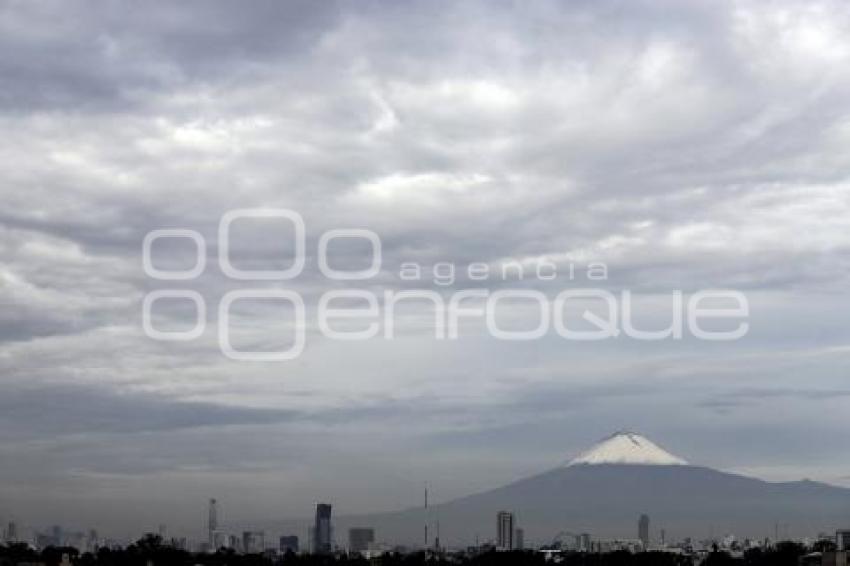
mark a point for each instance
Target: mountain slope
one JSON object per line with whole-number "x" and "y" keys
{"x": 606, "y": 500}
{"x": 605, "y": 489}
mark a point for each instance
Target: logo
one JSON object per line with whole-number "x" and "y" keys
{"x": 581, "y": 314}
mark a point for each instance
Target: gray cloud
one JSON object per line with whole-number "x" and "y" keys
{"x": 687, "y": 146}
{"x": 68, "y": 410}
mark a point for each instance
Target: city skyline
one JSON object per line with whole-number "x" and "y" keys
{"x": 624, "y": 451}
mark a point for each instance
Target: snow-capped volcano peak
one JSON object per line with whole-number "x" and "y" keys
{"x": 627, "y": 448}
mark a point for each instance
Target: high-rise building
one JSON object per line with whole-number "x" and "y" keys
{"x": 643, "y": 530}
{"x": 56, "y": 535}
{"x": 93, "y": 542}
{"x": 12, "y": 532}
{"x": 289, "y": 543}
{"x": 505, "y": 530}
{"x": 584, "y": 542}
{"x": 212, "y": 522}
{"x": 322, "y": 533}
{"x": 519, "y": 539}
{"x": 842, "y": 540}
{"x": 360, "y": 538}
{"x": 253, "y": 542}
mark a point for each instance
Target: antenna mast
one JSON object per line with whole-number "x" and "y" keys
{"x": 426, "y": 517}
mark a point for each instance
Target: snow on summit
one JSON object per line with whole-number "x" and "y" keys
{"x": 627, "y": 448}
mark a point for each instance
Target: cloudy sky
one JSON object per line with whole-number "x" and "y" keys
{"x": 686, "y": 145}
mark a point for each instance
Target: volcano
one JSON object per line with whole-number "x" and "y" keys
{"x": 604, "y": 490}
{"x": 628, "y": 448}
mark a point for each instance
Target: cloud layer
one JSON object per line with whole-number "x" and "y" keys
{"x": 686, "y": 145}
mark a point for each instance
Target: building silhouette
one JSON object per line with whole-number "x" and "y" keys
{"x": 643, "y": 530}
{"x": 505, "y": 530}
{"x": 322, "y": 532}
{"x": 212, "y": 523}
{"x": 253, "y": 542}
{"x": 360, "y": 538}
{"x": 842, "y": 540}
{"x": 56, "y": 535}
{"x": 519, "y": 539}
{"x": 288, "y": 543}
{"x": 92, "y": 541}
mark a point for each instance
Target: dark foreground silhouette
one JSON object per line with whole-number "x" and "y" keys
{"x": 150, "y": 551}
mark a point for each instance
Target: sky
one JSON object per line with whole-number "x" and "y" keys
{"x": 684, "y": 145}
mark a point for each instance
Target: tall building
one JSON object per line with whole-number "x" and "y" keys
{"x": 253, "y": 542}
{"x": 643, "y": 530}
{"x": 212, "y": 522}
{"x": 289, "y": 543}
{"x": 56, "y": 535}
{"x": 12, "y": 532}
{"x": 360, "y": 538}
{"x": 519, "y": 539}
{"x": 322, "y": 531}
{"x": 505, "y": 530}
{"x": 842, "y": 540}
{"x": 93, "y": 541}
